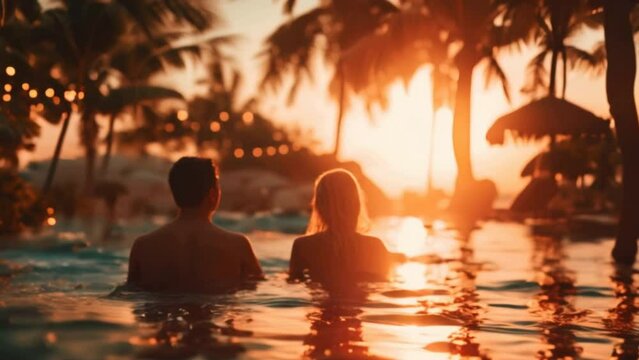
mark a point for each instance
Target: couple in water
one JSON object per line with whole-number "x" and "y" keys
{"x": 190, "y": 254}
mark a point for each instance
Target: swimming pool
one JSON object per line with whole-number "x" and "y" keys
{"x": 497, "y": 293}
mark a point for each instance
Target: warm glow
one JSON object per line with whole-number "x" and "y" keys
{"x": 195, "y": 126}
{"x": 50, "y": 210}
{"x": 69, "y": 95}
{"x": 169, "y": 127}
{"x": 224, "y": 116}
{"x": 49, "y": 92}
{"x": 271, "y": 151}
{"x": 6, "y": 97}
{"x": 444, "y": 113}
{"x": 238, "y": 153}
{"x": 248, "y": 117}
{"x": 257, "y": 152}
{"x": 283, "y": 149}
{"x": 25, "y": 86}
{"x": 411, "y": 275}
{"x": 182, "y": 115}
{"x": 215, "y": 126}
{"x": 80, "y": 95}
{"x": 33, "y": 93}
{"x": 51, "y": 221}
{"x": 7, "y": 87}
{"x": 56, "y": 100}
{"x": 10, "y": 70}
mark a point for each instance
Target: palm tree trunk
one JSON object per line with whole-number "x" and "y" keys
{"x": 56, "y": 155}
{"x": 461, "y": 120}
{"x": 89, "y": 138}
{"x": 564, "y": 73}
{"x": 552, "y": 87}
{"x": 340, "y": 112}
{"x": 431, "y": 150}
{"x": 109, "y": 146}
{"x": 620, "y": 77}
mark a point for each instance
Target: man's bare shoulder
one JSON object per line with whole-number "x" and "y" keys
{"x": 153, "y": 236}
{"x": 229, "y": 237}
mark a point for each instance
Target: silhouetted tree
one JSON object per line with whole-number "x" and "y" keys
{"x": 620, "y": 79}
{"x": 327, "y": 30}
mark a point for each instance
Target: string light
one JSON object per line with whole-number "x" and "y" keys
{"x": 10, "y": 70}
{"x": 25, "y": 86}
{"x": 33, "y": 93}
{"x": 69, "y": 95}
{"x": 248, "y": 118}
{"x": 257, "y": 152}
{"x": 224, "y": 116}
{"x": 49, "y": 92}
{"x": 50, "y": 211}
{"x": 238, "y": 153}
{"x": 80, "y": 95}
{"x": 283, "y": 149}
{"x": 271, "y": 151}
{"x": 56, "y": 100}
{"x": 195, "y": 126}
{"x": 169, "y": 127}
{"x": 51, "y": 221}
{"x": 7, "y": 87}
{"x": 182, "y": 115}
{"x": 215, "y": 126}
{"x": 6, "y": 97}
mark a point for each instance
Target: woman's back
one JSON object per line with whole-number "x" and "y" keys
{"x": 323, "y": 259}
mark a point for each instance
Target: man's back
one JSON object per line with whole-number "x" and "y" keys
{"x": 191, "y": 255}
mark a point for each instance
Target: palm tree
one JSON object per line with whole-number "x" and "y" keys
{"x": 327, "y": 30}
{"x": 620, "y": 78}
{"x": 83, "y": 51}
{"x": 212, "y": 122}
{"x": 472, "y": 31}
{"x": 416, "y": 40}
{"x": 26, "y": 88}
{"x": 556, "y": 21}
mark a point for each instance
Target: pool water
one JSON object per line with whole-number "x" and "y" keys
{"x": 497, "y": 292}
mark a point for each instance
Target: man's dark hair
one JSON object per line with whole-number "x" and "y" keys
{"x": 191, "y": 179}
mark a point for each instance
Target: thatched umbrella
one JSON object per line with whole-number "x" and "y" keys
{"x": 548, "y": 116}
{"x": 558, "y": 161}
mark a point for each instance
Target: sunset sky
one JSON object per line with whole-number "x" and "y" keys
{"x": 391, "y": 146}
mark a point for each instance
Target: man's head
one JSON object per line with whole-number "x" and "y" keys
{"x": 194, "y": 183}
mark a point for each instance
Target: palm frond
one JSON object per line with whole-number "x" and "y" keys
{"x": 584, "y": 60}
{"x": 537, "y": 77}
{"x": 117, "y": 99}
{"x": 494, "y": 72}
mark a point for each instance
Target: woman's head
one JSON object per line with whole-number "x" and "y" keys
{"x": 337, "y": 205}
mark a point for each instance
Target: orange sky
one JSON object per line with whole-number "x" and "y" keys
{"x": 391, "y": 146}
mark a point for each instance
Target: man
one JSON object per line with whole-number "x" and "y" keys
{"x": 190, "y": 254}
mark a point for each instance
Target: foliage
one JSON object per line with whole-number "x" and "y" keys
{"x": 19, "y": 204}
{"x": 555, "y": 23}
{"x": 27, "y": 92}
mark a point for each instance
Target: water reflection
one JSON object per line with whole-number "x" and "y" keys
{"x": 336, "y": 329}
{"x": 621, "y": 319}
{"x": 465, "y": 305}
{"x": 185, "y": 330}
{"x": 554, "y": 302}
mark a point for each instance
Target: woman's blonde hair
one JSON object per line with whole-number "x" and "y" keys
{"x": 338, "y": 205}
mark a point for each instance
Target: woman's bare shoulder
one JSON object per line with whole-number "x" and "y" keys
{"x": 306, "y": 240}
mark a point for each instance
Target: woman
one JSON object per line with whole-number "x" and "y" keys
{"x": 334, "y": 250}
